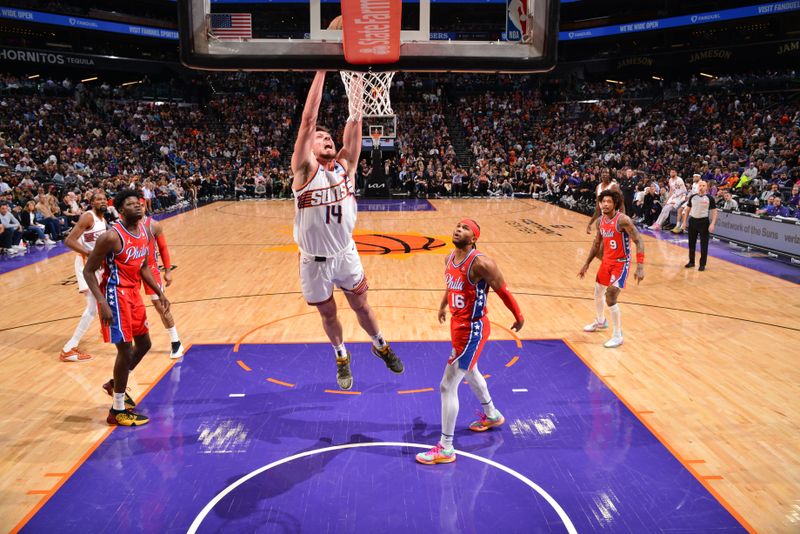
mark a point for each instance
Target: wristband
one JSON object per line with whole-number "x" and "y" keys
{"x": 640, "y": 257}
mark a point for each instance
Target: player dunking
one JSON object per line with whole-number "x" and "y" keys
{"x": 614, "y": 233}
{"x": 82, "y": 239}
{"x": 468, "y": 275}
{"x": 159, "y": 248}
{"x": 123, "y": 252}
{"x": 325, "y": 215}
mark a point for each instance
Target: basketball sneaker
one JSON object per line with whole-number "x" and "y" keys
{"x": 126, "y": 418}
{"x": 344, "y": 376}
{"x": 595, "y": 326}
{"x": 176, "y": 351}
{"x": 437, "y": 455}
{"x": 388, "y": 356}
{"x": 614, "y": 342}
{"x": 109, "y": 388}
{"x": 484, "y": 422}
{"x": 74, "y": 355}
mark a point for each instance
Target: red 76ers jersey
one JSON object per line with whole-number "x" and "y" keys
{"x": 467, "y": 300}
{"x": 616, "y": 244}
{"x": 122, "y": 269}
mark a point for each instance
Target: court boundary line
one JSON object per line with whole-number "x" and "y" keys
{"x": 86, "y": 455}
{"x": 565, "y": 519}
{"x": 702, "y": 479}
{"x": 529, "y": 294}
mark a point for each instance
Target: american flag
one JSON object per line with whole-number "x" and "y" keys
{"x": 231, "y": 26}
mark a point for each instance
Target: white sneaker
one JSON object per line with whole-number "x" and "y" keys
{"x": 178, "y": 353}
{"x": 48, "y": 241}
{"x": 20, "y": 248}
{"x": 595, "y": 326}
{"x": 39, "y": 242}
{"x": 613, "y": 342}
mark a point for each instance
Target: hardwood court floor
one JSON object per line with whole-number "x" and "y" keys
{"x": 709, "y": 361}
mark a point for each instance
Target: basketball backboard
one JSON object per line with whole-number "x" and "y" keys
{"x": 436, "y": 35}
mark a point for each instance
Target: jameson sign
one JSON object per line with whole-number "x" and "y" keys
{"x": 48, "y": 57}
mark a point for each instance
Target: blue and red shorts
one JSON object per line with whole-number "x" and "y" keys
{"x": 468, "y": 339}
{"x": 128, "y": 316}
{"x": 613, "y": 273}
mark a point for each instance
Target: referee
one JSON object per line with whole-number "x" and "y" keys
{"x": 699, "y": 206}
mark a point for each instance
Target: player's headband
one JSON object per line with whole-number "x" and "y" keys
{"x": 472, "y": 225}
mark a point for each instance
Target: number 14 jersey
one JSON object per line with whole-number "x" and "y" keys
{"x": 325, "y": 212}
{"x": 467, "y": 300}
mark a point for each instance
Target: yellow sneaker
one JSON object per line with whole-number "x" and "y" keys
{"x": 126, "y": 418}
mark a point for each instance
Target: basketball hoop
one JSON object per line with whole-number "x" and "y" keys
{"x": 368, "y": 93}
{"x": 376, "y": 138}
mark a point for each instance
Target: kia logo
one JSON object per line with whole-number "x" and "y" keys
{"x": 72, "y": 21}
{"x": 694, "y": 19}
{"x": 375, "y": 186}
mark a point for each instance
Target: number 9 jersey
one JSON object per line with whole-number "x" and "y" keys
{"x": 325, "y": 212}
{"x": 469, "y": 326}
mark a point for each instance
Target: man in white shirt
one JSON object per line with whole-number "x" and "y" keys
{"x": 677, "y": 194}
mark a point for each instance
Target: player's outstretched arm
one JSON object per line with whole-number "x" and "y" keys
{"x": 597, "y": 246}
{"x": 351, "y": 144}
{"x": 303, "y": 161}
{"x": 625, "y": 224}
{"x": 106, "y": 243}
{"x": 484, "y": 268}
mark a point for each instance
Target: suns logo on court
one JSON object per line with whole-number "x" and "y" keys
{"x": 381, "y": 244}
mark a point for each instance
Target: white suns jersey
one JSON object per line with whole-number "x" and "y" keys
{"x": 325, "y": 213}
{"x": 601, "y": 187}
{"x": 90, "y": 236}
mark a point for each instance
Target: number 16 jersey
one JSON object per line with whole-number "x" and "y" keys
{"x": 325, "y": 212}
{"x": 467, "y": 300}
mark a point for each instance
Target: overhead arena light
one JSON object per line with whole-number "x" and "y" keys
{"x": 615, "y": 81}
{"x": 595, "y": 101}
{"x": 657, "y": 78}
{"x": 131, "y": 83}
{"x": 33, "y": 76}
{"x": 93, "y": 78}
{"x": 707, "y": 75}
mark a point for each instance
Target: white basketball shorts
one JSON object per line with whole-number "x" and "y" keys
{"x": 318, "y": 275}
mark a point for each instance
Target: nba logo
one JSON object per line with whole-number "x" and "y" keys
{"x": 516, "y": 19}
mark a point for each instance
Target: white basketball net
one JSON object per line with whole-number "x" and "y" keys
{"x": 368, "y": 93}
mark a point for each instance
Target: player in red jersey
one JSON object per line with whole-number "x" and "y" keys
{"x": 158, "y": 247}
{"x": 122, "y": 251}
{"x": 615, "y": 230}
{"x": 468, "y": 275}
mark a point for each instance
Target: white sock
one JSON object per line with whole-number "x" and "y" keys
{"x": 89, "y": 313}
{"x": 616, "y": 320}
{"x": 449, "y": 391}
{"x": 378, "y": 341}
{"x": 119, "y": 401}
{"x": 599, "y": 302}
{"x": 478, "y": 386}
{"x": 340, "y": 351}
{"x": 173, "y": 334}
{"x": 446, "y": 441}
